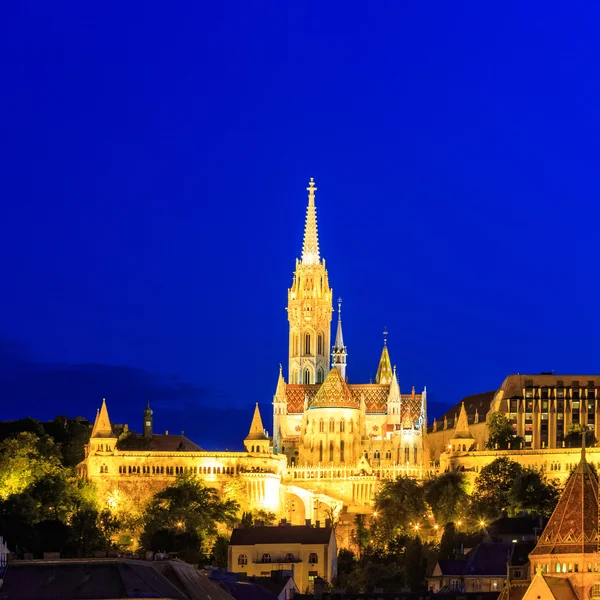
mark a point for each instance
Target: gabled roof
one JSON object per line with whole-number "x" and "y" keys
{"x": 280, "y": 534}
{"x": 173, "y": 443}
{"x": 100, "y": 578}
{"x": 451, "y": 566}
{"x": 488, "y": 559}
{"x": 573, "y": 526}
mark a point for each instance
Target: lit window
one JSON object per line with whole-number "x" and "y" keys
{"x": 266, "y": 558}
{"x": 313, "y": 558}
{"x": 242, "y": 559}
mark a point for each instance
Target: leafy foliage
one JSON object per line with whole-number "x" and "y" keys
{"x": 187, "y": 506}
{"x": 492, "y": 487}
{"x": 502, "y": 433}
{"x": 531, "y": 493}
{"x": 447, "y": 496}
{"x": 575, "y": 434}
{"x": 398, "y": 504}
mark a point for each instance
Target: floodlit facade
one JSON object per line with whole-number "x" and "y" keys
{"x": 541, "y": 409}
{"x": 333, "y": 442}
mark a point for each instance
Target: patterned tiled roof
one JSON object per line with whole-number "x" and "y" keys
{"x": 334, "y": 393}
{"x": 573, "y": 526}
{"x": 295, "y": 393}
{"x": 375, "y": 396}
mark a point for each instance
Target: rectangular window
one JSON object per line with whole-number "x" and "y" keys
{"x": 575, "y": 394}
{"x": 560, "y": 393}
{"x": 544, "y": 393}
{"x": 529, "y": 393}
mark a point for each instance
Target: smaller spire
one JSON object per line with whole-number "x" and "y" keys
{"x": 257, "y": 430}
{"x": 384, "y": 370}
{"x": 339, "y": 353}
{"x": 102, "y": 426}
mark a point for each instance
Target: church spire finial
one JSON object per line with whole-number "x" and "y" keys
{"x": 385, "y": 334}
{"x": 310, "y": 247}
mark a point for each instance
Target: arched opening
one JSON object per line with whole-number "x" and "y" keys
{"x": 321, "y": 451}
{"x": 342, "y": 446}
{"x": 320, "y": 375}
{"x": 320, "y": 344}
{"x": 306, "y": 376}
{"x": 331, "y": 451}
{"x": 307, "y": 344}
{"x": 295, "y": 512}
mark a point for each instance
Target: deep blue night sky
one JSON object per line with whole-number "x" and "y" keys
{"x": 153, "y": 165}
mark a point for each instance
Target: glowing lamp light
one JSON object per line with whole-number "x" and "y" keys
{"x": 482, "y": 523}
{"x": 459, "y": 523}
{"x": 375, "y": 513}
{"x": 436, "y": 527}
{"x": 179, "y": 524}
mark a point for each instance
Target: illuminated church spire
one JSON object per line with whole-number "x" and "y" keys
{"x": 309, "y": 307}
{"x": 339, "y": 354}
{"x": 310, "y": 247}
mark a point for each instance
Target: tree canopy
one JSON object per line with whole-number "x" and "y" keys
{"x": 502, "y": 434}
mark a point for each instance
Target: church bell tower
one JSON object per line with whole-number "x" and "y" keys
{"x": 309, "y": 307}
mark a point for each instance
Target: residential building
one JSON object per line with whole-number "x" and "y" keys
{"x": 302, "y": 551}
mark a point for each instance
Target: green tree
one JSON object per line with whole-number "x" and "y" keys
{"x": 449, "y": 542}
{"x": 399, "y": 505}
{"x": 188, "y": 506}
{"x": 492, "y": 488}
{"x": 219, "y": 551}
{"x": 24, "y": 459}
{"x": 447, "y": 496}
{"x": 502, "y": 433}
{"x": 575, "y": 433}
{"x": 91, "y": 531}
{"x": 361, "y": 536}
{"x": 415, "y": 564}
{"x": 533, "y": 494}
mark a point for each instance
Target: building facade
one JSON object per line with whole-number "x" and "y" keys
{"x": 333, "y": 442}
{"x": 542, "y": 410}
{"x": 303, "y": 551}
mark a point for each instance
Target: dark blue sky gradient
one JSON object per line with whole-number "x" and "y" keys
{"x": 153, "y": 165}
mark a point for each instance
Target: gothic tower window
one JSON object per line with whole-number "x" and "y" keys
{"x": 415, "y": 455}
{"x": 331, "y": 425}
{"x": 342, "y": 426}
{"x": 406, "y": 454}
{"x": 331, "y": 451}
{"x": 321, "y": 426}
{"x": 321, "y": 451}
{"x": 320, "y": 375}
{"x": 320, "y": 344}
{"x": 307, "y": 344}
{"x": 306, "y": 376}
{"x": 342, "y": 451}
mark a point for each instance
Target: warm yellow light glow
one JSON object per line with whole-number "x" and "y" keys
{"x": 459, "y": 523}
{"x": 436, "y": 527}
{"x": 179, "y": 524}
{"x": 417, "y": 527}
{"x": 375, "y": 513}
{"x": 482, "y": 523}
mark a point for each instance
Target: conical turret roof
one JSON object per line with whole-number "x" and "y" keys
{"x": 257, "y": 431}
{"x": 573, "y": 526}
{"x": 102, "y": 426}
{"x": 384, "y": 370}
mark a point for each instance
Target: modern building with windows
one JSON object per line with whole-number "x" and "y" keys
{"x": 542, "y": 409}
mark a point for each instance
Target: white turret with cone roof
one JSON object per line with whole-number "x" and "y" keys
{"x": 102, "y": 438}
{"x": 339, "y": 353}
{"x": 257, "y": 439}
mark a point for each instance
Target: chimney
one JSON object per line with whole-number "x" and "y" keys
{"x": 317, "y": 524}
{"x": 283, "y": 522}
{"x": 327, "y": 522}
{"x": 308, "y": 523}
